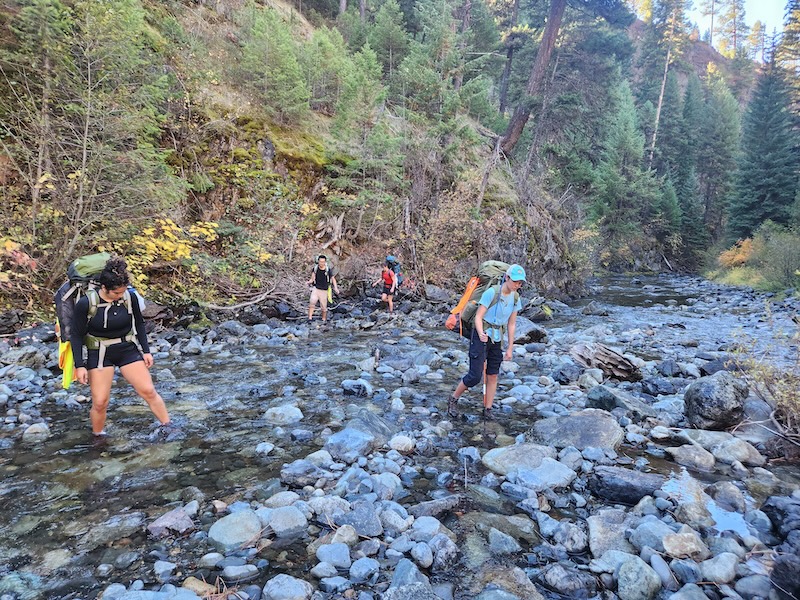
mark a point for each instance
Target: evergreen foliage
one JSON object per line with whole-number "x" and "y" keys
{"x": 767, "y": 180}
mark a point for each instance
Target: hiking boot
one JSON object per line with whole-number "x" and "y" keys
{"x": 488, "y": 413}
{"x": 452, "y": 407}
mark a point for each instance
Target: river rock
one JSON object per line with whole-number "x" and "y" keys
{"x": 286, "y": 587}
{"x": 720, "y": 569}
{"x": 725, "y": 447}
{"x": 357, "y": 387}
{"x": 175, "y": 520}
{"x": 569, "y": 581}
{"x": 588, "y": 428}
{"x": 413, "y": 591}
{"x": 349, "y": 444}
{"x": 685, "y": 545}
{"x": 786, "y": 576}
{"x": 728, "y": 496}
{"x": 283, "y": 415}
{"x": 301, "y": 473}
{"x": 692, "y": 456}
{"x": 784, "y": 513}
{"x": 507, "y": 458}
{"x": 363, "y": 569}
{"x": 624, "y": 485}
{"x": 115, "y": 528}
{"x": 528, "y": 332}
{"x": 336, "y": 554}
{"x": 650, "y": 534}
{"x": 636, "y": 580}
{"x": 445, "y": 552}
{"x": 502, "y": 543}
{"x": 239, "y": 529}
{"x": 364, "y": 519}
{"x": 606, "y": 398}
{"x": 38, "y": 432}
{"x": 549, "y": 475}
{"x": 288, "y": 522}
{"x": 689, "y": 592}
{"x": 607, "y": 532}
{"x": 715, "y": 402}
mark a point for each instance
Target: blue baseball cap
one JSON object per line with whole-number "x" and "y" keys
{"x": 516, "y": 273}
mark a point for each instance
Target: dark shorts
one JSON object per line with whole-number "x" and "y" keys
{"x": 117, "y": 355}
{"x": 387, "y": 289}
{"x": 490, "y": 353}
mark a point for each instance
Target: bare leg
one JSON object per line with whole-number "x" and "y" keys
{"x": 100, "y": 384}
{"x": 460, "y": 389}
{"x": 491, "y": 390}
{"x": 391, "y": 303}
{"x": 138, "y": 375}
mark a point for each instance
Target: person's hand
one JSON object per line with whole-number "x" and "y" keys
{"x": 483, "y": 336}
{"x": 374, "y": 284}
{"x": 336, "y": 289}
{"x": 148, "y": 360}
{"x": 82, "y": 375}
{"x": 509, "y": 353}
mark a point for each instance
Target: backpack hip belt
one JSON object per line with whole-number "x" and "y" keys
{"x": 92, "y": 342}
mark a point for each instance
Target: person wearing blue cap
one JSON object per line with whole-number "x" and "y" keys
{"x": 497, "y": 314}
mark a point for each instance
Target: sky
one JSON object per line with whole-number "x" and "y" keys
{"x": 767, "y": 11}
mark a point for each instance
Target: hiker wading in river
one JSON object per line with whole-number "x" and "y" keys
{"x": 321, "y": 280}
{"x": 109, "y": 324}
{"x": 493, "y": 318}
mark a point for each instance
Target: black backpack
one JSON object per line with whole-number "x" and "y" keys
{"x": 81, "y": 275}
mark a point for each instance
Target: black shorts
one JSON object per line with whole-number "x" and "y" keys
{"x": 117, "y": 355}
{"x": 387, "y": 289}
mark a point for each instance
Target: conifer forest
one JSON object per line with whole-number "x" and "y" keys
{"x": 219, "y": 145}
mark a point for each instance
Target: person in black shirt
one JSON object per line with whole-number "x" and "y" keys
{"x": 109, "y": 323}
{"x": 321, "y": 279}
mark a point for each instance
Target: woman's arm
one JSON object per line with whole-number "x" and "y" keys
{"x": 138, "y": 320}
{"x": 511, "y": 329}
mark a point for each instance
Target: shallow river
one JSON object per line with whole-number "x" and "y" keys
{"x": 53, "y": 492}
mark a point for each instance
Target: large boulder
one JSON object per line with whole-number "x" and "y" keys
{"x": 590, "y": 428}
{"x": 715, "y": 402}
{"x": 527, "y": 331}
{"x": 508, "y": 458}
{"x": 624, "y": 485}
{"x": 607, "y": 398}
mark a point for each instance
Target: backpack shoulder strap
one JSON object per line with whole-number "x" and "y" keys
{"x": 94, "y": 301}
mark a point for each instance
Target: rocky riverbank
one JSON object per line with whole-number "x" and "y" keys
{"x": 320, "y": 463}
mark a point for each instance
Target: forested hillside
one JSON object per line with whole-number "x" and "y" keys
{"x": 221, "y": 144}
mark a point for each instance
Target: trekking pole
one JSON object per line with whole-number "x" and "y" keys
{"x": 484, "y": 384}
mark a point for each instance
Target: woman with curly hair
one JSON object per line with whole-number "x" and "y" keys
{"x": 109, "y": 324}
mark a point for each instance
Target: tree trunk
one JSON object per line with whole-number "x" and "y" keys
{"x": 661, "y": 95}
{"x": 523, "y": 111}
{"x": 509, "y": 60}
{"x": 362, "y": 10}
{"x": 711, "y": 30}
{"x": 342, "y": 7}
{"x": 44, "y": 140}
{"x": 462, "y": 44}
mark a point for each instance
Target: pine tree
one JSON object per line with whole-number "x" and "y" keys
{"x": 788, "y": 52}
{"x": 670, "y": 144}
{"x": 717, "y": 151}
{"x": 625, "y": 197}
{"x": 757, "y": 41}
{"x": 694, "y": 235}
{"x": 325, "y": 61}
{"x": 270, "y": 62}
{"x": 767, "y": 180}
{"x": 710, "y": 8}
{"x": 733, "y": 27}
{"x": 388, "y": 37}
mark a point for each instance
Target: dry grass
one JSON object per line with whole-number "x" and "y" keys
{"x": 778, "y": 385}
